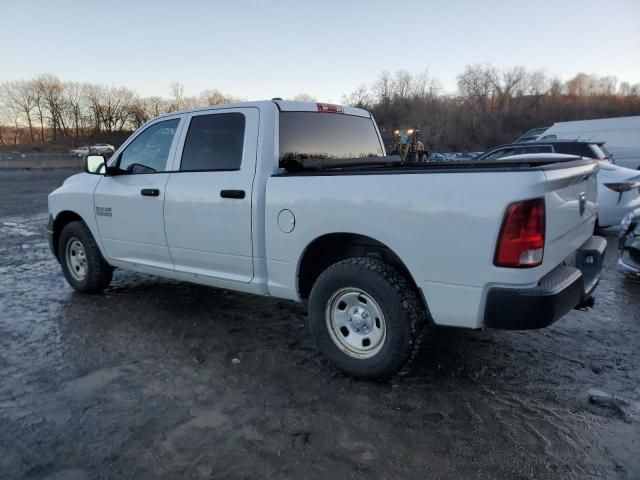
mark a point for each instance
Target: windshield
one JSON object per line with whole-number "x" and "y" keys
{"x": 318, "y": 135}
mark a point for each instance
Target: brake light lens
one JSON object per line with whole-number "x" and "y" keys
{"x": 623, "y": 186}
{"x": 521, "y": 240}
{"x": 329, "y": 108}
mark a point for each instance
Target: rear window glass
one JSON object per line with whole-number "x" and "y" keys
{"x": 580, "y": 149}
{"x": 519, "y": 150}
{"x": 326, "y": 135}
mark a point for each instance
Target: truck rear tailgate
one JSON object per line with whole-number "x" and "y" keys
{"x": 571, "y": 210}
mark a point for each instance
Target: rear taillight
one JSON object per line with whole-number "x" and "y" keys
{"x": 521, "y": 241}
{"x": 329, "y": 108}
{"x": 623, "y": 186}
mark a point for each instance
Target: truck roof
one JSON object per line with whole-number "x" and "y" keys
{"x": 282, "y": 105}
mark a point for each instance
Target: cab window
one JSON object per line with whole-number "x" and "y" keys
{"x": 214, "y": 142}
{"x": 149, "y": 151}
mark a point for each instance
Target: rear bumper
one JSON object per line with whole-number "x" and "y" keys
{"x": 628, "y": 266}
{"x": 561, "y": 290}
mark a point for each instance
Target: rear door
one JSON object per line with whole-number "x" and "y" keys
{"x": 129, "y": 206}
{"x": 208, "y": 196}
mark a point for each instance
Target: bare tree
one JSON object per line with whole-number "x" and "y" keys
{"x": 176, "y": 90}
{"x": 73, "y": 103}
{"x": 51, "y": 91}
{"x": 360, "y": 97}
{"x": 624, "y": 89}
{"x": 425, "y": 87}
{"x": 21, "y": 97}
{"x": 402, "y": 84}
{"x": 304, "y": 97}
{"x": 383, "y": 88}
{"x": 477, "y": 83}
{"x": 491, "y": 106}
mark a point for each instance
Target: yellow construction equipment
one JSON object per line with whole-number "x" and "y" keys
{"x": 408, "y": 146}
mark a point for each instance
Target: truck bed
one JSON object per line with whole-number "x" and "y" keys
{"x": 540, "y": 164}
{"x": 443, "y": 227}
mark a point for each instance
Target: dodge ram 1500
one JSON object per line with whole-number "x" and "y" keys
{"x": 298, "y": 200}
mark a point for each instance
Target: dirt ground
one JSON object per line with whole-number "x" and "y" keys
{"x": 158, "y": 379}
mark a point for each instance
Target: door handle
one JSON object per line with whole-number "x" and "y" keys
{"x": 150, "y": 192}
{"x": 232, "y": 193}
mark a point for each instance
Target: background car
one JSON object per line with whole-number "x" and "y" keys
{"x": 81, "y": 151}
{"x": 622, "y": 135}
{"x": 618, "y": 188}
{"x": 530, "y": 135}
{"x": 630, "y": 242}
{"x": 99, "y": 148}
{"x": 103, "y": 148}
{"x": 588, "y": 149}
{"x": 618, "y": 193}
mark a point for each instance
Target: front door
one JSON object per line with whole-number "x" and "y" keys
{"x": 129, "y": 205}
{"x": 208, "y": 197}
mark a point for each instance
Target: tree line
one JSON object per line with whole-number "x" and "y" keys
{"x": 45, "y": 108}
{"x": 490, "y": 106}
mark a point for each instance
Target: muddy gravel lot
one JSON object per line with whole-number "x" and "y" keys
{"x": 159, "y": 379}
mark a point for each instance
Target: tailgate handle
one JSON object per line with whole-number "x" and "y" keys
{"x": 150, "y": 192}
{"x": 239, "y": 194}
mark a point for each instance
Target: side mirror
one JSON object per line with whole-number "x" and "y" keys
{"x": 95, "y": 164}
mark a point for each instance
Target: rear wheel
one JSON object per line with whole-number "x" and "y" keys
{"x": 365, "y": 317}
{"x": 83, "y": 265}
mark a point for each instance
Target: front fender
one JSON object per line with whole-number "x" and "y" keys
{"x": 75, "y": 196}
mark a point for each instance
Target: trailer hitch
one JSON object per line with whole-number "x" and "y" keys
{"x": 586, "y": 304}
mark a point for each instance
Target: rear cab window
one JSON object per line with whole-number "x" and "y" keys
{"x": 323, "y": 135}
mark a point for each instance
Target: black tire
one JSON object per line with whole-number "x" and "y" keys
{"x": 403, "y": 314}
{"x": 98, "y": 272}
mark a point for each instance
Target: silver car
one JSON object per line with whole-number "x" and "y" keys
{"x": 103, "y": 148}
{"x": 630, "y": 242}
{"x": 99, "y": 149}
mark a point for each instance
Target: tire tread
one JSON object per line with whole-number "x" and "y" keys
{"x": 99, "y": 273}
{"x": 409, "y": 300}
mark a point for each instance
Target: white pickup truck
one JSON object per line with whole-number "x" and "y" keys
{"x": 298, "y": 200}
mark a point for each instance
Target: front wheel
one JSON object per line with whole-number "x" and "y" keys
{"x": 365, "y": 317}
{"x": 83, "y": 265}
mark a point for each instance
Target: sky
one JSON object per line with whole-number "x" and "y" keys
{"x": 258, "y": 49}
